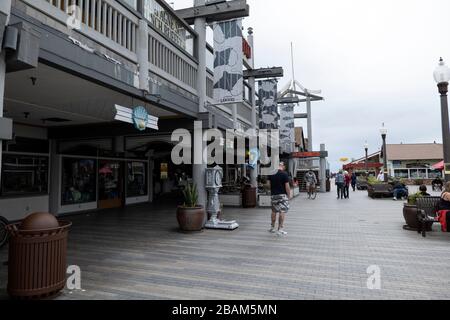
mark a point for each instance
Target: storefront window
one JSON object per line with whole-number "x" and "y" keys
{"x": 24, "y": 175}
{"x": 402, "y": 174}
{"x": 137, "y": 179}
{"x": 433, "y": 174}
{"x": 109, "y": 180}
{"x": 422, "y": 173}
{"x": 78, "y": 181}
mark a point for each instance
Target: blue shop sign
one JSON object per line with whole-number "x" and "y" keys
{"x": 140, "y": 118}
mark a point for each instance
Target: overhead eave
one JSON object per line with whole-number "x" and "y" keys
{"x": 216, "y": 12}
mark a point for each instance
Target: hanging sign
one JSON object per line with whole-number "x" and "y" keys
{"x": 228, "y": 62}
{"x": 287, "y": 131}
{"x": 268, "y": 108}
{"x": 137, "y": 116}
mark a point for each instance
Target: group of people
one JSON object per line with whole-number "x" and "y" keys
{"x": 281, "y": 193}
{"x": 343, "y": 182}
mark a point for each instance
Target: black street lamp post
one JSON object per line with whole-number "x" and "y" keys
{"x": 383, "y": 132}
{"x": 442, "y": 77}
{"x": 366, "y": 147}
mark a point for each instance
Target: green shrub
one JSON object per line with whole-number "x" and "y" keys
{"x": 190, "y": 196}
{"x": 412, "y": 199}
{"x": 372, "y": 180}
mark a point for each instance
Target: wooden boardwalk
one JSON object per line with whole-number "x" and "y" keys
{"x": 138, "y": 253}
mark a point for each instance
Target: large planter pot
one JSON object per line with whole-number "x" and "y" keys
{"x": 410, "y": 215}
{"x": 191, "y": 219}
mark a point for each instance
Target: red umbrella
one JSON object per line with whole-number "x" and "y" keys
{"x": 439, "y": 166}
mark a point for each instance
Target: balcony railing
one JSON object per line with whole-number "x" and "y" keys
{"x": 107, "y": 17}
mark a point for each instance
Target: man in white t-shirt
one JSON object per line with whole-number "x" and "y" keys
{"x": 380, "y": 176}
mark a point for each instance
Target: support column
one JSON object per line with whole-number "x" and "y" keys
{"x": 309, "y": 112}
{"x": 5, "y": 8}
{"x": 323, "y": 171}
{"x": 199, "y": 167}
{"x": 252, "y": 84}
{"x": 151, "y": 168}
{"x": 200, "y": 28}
{"x": 142, "y": 55}
{"x": 55, "y": 178}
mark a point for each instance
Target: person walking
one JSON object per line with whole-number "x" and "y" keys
{"x": 347, "y": 181}
{"x": 340, "y": 181}
{"x": 280, "y": 191}
{"x": 354, "y": 178}
{"x": 311, "y": 182}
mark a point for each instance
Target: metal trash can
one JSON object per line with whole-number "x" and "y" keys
{"x": 37, "y": 256}
{"x": 249, "y": 197}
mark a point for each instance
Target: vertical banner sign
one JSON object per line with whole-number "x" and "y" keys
{"x": 228, "y": 62}
{"x": 268, "y": 108}
{"x": 287, "y": 131}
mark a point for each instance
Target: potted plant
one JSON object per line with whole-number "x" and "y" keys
{"x": 410, "y": 212}
{"x": 191, "y": 216}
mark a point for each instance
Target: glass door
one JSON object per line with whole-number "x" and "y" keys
{"x": 110, "y": 181}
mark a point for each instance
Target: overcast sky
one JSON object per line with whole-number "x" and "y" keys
{"x": 373, "y": 61}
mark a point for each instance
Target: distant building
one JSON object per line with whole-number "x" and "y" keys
{"x": 300, "y": 140}
{"x": 374, "y": 164}
{"x": 414, "y": 161}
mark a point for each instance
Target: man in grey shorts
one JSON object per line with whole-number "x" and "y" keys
{"x": 281, "y": 191}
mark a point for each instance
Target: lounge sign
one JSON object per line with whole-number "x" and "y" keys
{"x": 299, "y": 155}
{"x": 137, "y": 116}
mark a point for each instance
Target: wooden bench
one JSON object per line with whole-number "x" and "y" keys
{"x": 362, "y": 184}
{"x": 380, "y": 190}
{"x": 427, "y": 208}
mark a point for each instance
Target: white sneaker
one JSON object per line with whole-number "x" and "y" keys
{"x": 281, "y": 232}
{"x": 395, "y": 199}
{"x": 272, "y": 230}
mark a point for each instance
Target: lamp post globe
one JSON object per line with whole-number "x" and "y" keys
{"x": 383, "y": 132}
{"x": 442, "y": 72}
{"x": 442, "y": 77}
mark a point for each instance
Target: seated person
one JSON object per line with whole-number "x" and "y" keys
{"x": 444, "y": 204}
{"x": 399, "y": 190}
{"x": 423, "y": 191}
{"x": 437, "y": 183}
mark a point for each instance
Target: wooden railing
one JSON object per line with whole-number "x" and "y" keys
{"x": 107, "y": 17}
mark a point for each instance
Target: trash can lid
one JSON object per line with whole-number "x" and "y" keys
{"x": 39, "y": 221}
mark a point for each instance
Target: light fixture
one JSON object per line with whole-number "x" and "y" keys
{"x": 383, "y": 130}
{"x": 442, "y": 72}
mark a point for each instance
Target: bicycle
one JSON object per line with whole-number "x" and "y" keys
{"x": 3, "y": 231}
{"x": 312, "y": 192}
